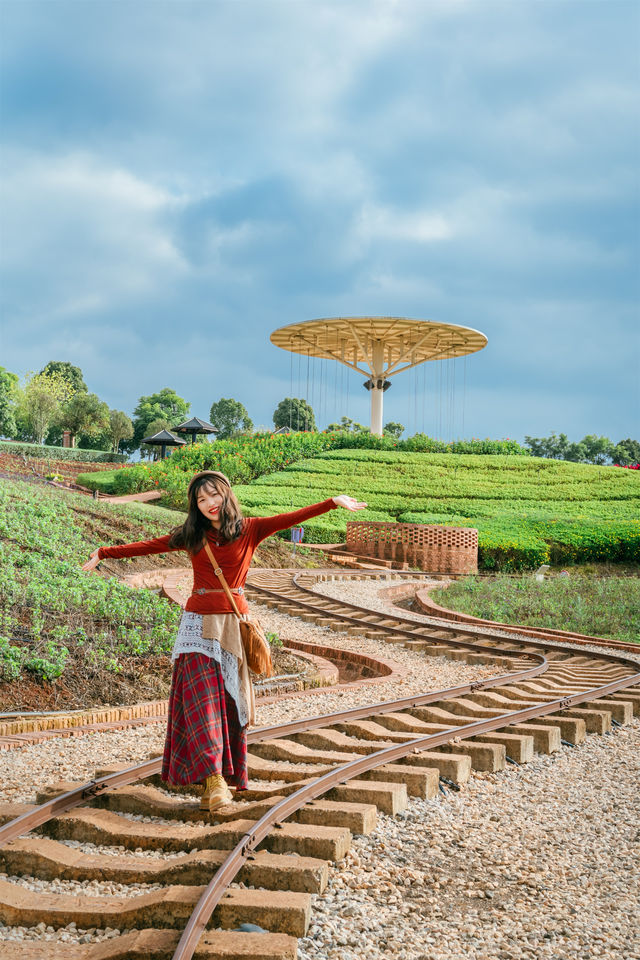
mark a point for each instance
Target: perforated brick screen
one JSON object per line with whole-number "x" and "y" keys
{"x": 436, "y": 549}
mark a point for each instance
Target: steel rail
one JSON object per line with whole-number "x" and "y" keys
{"x": 413, "y": 634}
{"x": 67, "y": 801}
{"x": 477, "y": 629}
{"x": 250, "y": 840}
{"x": 310, "y": 791}
{"x": 41, "y": 814}
{"x": 544, "y": 633}
{"x": 404, "y": 634}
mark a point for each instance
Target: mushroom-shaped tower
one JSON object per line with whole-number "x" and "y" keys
{"x": 386, "y": 345}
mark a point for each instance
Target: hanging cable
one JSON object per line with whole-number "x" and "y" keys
{"x": 444, "y": 401}
{"x": 451, "y": 375}
{"x": 347, "y": 403}
{"x": 299, "y": 389}
{"x": 290, "y": 389}
{"x": 448, "y": 402}
{"x": 439, "y": 397}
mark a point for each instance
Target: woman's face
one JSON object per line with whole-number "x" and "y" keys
{"x": 210, "y": 503}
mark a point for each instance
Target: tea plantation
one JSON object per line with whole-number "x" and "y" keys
{"x": 527, "y": 510}
{"x": 55, "y": 619}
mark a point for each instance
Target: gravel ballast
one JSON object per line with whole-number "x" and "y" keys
{"x": 77, "y": 758}
{"x": 536, "y": 863}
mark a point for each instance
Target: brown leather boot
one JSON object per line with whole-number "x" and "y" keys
{"x": 216, "y": 793}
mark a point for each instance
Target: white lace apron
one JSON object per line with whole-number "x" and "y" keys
{"x": 190, "y": 640}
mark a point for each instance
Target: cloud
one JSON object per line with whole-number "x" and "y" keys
{"x": 180, "y": 179}
{"x": 94, "y": 234}
{"x": 376, "y": 222}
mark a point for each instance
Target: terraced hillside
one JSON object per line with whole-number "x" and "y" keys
{"x": 527, "y": 510}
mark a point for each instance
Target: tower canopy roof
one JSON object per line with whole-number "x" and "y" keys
{"x": 387, "y": 345}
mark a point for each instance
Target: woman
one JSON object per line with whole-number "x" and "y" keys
{"x": 211, "y": 702}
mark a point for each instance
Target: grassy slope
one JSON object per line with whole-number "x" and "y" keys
{"x": 101, "y": 480}
{"x": 99, "y": 640}
{"x": 524, "y": 508}
{"x": 583, "y": 602}
{"x": 117, "y": 639}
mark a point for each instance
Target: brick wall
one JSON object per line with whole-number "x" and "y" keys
{"x": 432, "y": 548}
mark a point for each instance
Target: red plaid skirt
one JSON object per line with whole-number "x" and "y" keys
{"x": 204, "y": 735}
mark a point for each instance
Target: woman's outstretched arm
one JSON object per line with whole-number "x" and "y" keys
{"x": 265, "y": 526}
{"x": 141, "y": 548}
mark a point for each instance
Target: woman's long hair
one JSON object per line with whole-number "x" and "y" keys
{"x": 191, "y": 535}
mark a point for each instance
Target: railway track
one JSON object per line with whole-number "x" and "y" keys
{"x": 313, "y": 784}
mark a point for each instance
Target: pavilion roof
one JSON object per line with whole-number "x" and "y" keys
{"x": 165, "y": 437}
{"x": 196, "y": 425}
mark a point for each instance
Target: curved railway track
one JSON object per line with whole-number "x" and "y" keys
{"x": 314, "y": 783}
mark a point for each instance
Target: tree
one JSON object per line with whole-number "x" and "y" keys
{"x": 553, "y": 447}
{"x": 43, "y": 396}
{"x": 165, "y": 405}
{"x": 575, "y": 452}
{"x": 626, "y": 452}
{"x": 230, "y": 417}
{"x": 86, "y": 414}
{"x": 120, "y": 428}
{"x": 393, "y": 429}
{"x": 347, "y": 425}
{"x": 295, "y": 413}
{"x": 73, "y": 375}
{"x": 9, "y": 393}
{"x": 597, "y": 449}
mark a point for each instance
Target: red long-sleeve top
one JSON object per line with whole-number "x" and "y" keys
{"x": 234, "y": 557}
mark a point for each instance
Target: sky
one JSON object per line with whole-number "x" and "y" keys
{"x": 179, "y": 179}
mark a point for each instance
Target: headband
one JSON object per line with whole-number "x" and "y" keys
{"x": 208, "y": 475}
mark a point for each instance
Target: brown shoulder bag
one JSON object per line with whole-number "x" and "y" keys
{"x": 254, "y": 643}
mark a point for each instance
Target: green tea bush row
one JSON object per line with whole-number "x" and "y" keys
{"x": 525, "y": 516}
{"x": 246, "y": 458}
{"x": 53, "y": 614}
{"x": 102, "y": 480}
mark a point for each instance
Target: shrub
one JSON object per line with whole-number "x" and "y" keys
{"x": 44, "y": 452}
{"x": 102, "y": 480}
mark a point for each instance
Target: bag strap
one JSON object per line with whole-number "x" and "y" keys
{"x": 220, "y": 575}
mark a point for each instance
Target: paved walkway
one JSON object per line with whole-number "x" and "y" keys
{"x": 145, "y": 497}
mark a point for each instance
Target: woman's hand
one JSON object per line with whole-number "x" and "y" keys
{"x": 349, "y": 503}
{"x": 93, "y": 562}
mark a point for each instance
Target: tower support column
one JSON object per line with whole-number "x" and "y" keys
{"x": 376, "y": 407}
{"x": 377, "y": 386}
